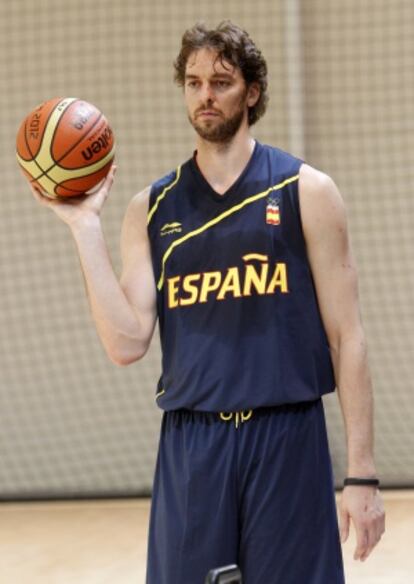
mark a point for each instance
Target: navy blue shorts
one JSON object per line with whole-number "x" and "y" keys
{"x": 252, "y": 488}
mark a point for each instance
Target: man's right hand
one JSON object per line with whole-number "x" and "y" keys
{"x": 73, "y": 210}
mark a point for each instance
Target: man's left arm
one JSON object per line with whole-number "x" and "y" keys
{"x": 334, "y": 272}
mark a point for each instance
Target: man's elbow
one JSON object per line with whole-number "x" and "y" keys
{"x": 126, "y": 358}
{"x": 342, "y": 338}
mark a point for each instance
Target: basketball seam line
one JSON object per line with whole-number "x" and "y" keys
{"x": 43, "y": 135}
{"x": 69, "y": 179}
{"x": 31, "y": 153}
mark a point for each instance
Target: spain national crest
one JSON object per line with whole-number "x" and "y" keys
{"x": 272, "y": 211}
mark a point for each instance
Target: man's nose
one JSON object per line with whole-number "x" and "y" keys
{"x": 207, "y": 93}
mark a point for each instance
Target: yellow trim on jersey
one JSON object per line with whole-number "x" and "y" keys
{"x": 157, "y": 395}
{"x": 162, "y": 195}
{"x": 230, "y": 211}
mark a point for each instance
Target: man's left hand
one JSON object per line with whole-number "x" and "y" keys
{"x": 362, "y": 504}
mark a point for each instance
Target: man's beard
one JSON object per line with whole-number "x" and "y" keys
{"x": 222, "y": 132}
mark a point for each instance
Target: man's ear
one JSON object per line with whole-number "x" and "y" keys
{"x": 253, "y": 94}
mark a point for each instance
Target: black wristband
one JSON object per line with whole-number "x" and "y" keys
{"x": 358, "y": 481}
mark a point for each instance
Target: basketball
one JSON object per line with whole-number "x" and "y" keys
{"x": 65, "y": 146}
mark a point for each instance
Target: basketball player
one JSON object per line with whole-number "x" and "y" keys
{"x": 242, "y": 253}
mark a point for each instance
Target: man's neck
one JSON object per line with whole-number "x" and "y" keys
{"x": 222, "y": 164}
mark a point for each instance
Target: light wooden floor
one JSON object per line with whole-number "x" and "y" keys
{"x": 104, "y": 542}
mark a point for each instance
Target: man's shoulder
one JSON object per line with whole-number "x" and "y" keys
{"x": 163, "y": 190}
{"x": 314, "y": 180}
{"x": 166, "y": 179}
{"x": 281, "y": 158}
{"x": 321, "y": 202}
{"x": 170, "y": 179}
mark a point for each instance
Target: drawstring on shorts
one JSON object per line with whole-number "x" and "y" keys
{"x": 241, "y": 416}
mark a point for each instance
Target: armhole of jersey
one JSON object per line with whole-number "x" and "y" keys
{"x": 295, "y": 199}
{"x": 160, "y": 189}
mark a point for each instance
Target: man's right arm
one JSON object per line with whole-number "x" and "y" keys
{"x": 124, "y": 312}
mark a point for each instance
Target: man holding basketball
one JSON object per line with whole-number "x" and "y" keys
{"x": 242, "y": 253}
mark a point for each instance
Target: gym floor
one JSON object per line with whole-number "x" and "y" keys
{"x": 104, "y": 542}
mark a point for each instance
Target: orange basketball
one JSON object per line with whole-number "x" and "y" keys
{"x": 66, "y": 147}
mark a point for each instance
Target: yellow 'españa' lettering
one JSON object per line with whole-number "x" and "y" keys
{"x": 255, "y": 256}
{"x": 191, "y": 288}
{"x": 235, "y": 282}
{"x": 211, "y": 281}
{"x": 252, "y": 278}
{"x": 173, "y": 291}
{"x": 231, "y": 284}
{"x": 279, "y": 279}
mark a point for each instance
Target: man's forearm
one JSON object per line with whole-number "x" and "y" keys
{"x": 356, "y": 398}
{"x": 114, "y": 318}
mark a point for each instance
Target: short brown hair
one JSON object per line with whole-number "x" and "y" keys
{"x": 234, "y": 45}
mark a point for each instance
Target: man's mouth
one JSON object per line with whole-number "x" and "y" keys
{"x": 207, "y": 113}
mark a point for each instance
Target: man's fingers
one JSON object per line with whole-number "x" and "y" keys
{"x": 344, "y": 525}
{"x": 104, "y": 189}
{"x": 37, "y": 193}
{"x": 367, "y": 539}
{"x": 111, "y": 174}
{"x": 372, "y": 540}
{"x": 374, "y": 535}
{"x": 362, "y": 540}
{"x": 110, "y": 177}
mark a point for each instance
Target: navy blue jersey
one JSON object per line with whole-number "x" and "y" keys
{"x": 238, "y": 315}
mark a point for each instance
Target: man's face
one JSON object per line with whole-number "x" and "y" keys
{"x": 216, "y": 96}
